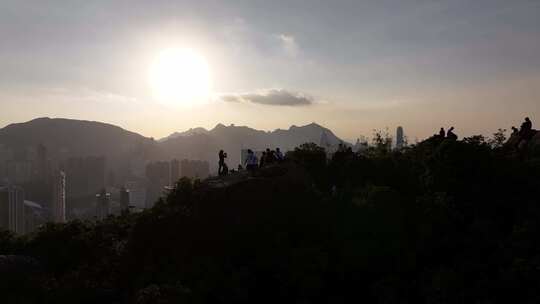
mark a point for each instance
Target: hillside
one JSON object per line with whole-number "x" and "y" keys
{"x": 75, "y": 138}
{"x": 66, "y": 138}
{"x": 441, "y": 222}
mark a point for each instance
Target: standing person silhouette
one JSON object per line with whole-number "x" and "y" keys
{"x": 251, "y": 162}
{"x": 262, "y": 161}
{"x": 222, "y": 155}
{"x": 279, "y": 155}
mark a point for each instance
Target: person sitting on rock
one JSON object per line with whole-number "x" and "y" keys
{"x": 442, "y": 134}
{"x": 526, "y": 129}
{"x": 514, "y": 130}
{"x": 451, "y": 135}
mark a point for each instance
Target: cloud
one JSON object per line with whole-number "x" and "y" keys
{"x": 289, "y": 44}
{"x": 272, "y": 97}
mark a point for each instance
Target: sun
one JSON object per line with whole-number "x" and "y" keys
{"x": 180, "y": 77}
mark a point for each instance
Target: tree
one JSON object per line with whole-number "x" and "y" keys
{"x": 498, "y": 140}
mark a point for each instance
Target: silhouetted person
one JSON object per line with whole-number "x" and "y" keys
{"x": 270, "y": 157}
{"x": 279, "y": 155}
{"x": 225, "y": 168}
{"x": 442, "y": 134}
{"x": 527, "y": 124}
{"x": 451, "y": 135}
{"x": 515, "y": 130}
{"x": 222, "y": 155}
{"x": 262, "y": 161}
{"x": 526, "y": 129}
{"x": 251, "y": 161}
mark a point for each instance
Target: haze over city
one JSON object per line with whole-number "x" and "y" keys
{"x": 353, "y": 66}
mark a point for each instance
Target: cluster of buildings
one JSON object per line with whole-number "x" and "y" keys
{"x": 35, "y": 189}
{"x": 399, "y": 141}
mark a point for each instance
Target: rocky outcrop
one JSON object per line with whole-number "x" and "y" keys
{"x": 531, "y": 146}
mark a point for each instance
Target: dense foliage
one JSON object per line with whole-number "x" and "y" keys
{"x": 440, "y": 222}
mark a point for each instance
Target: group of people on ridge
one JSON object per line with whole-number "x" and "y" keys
{"x": 267, "y": 157}
{"x": 449, "y": 134}
{"x": 525, "y": 132}
{"x": 252, "y": 162}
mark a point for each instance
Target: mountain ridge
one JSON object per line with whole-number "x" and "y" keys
{"x": 201, "y": 130}
{"x": 65, "y": 138}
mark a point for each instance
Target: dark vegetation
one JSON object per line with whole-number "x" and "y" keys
{"x": 440, "y": 222}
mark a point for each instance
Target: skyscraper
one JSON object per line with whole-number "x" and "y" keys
{"x": 137, "y": 194}
{"x": 103, "y": 204}
{"x": 400, "y": 140}
{"x": 158, "y": 176}
{"x": 58, "y": 206}
{"x": 124, "y": 199}
{"x": 12, "y": 209}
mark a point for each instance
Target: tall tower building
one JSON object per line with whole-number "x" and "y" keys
{"x": 124, "y": 199}
{"x": 399, "y": 138}
{"x": 58, "y": 205}
{"x": 103, "y": 204}
{"x": 12, "y": 209}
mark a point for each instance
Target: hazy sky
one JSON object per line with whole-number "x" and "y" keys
{"x": 349, "y": 65}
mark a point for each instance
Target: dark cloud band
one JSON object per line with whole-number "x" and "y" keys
{"x": 273, "y": 97}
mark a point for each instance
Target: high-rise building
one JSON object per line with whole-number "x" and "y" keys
{"x": 12, "y": 211}
{"x": 58, "y": 206}
{"x": 400, "y": 139}
{"x": 103, "y": 204}
{"x": 137, "y": 194}
{"x": 158, "y": 175}
{"x": 34, "y": 216}
{"x": 124, "y": 199}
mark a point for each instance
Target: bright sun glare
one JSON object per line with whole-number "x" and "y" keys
{"x": 180, "y": 77}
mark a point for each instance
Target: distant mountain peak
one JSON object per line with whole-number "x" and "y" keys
{"x": 190, "y": 132}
